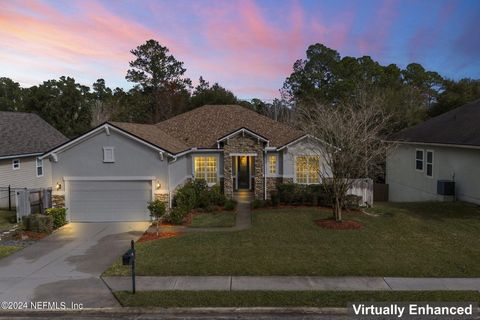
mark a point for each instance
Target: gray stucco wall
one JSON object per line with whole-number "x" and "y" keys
{"x": 408, "y": 184}
{"x": 131, "y": 159}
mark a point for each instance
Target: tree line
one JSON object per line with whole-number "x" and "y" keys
{"x": 161, "y": 90}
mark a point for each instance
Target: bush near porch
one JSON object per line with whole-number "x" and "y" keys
{"x": 410, "y": 240}
{"x": 197, "y": 195}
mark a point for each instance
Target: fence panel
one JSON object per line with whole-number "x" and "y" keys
{"x": 364, "y": 189}
{"x": 32, "y": 201}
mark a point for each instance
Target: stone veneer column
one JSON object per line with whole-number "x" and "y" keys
{"x": 259, "y": 179}
{"x": 227, "y": 175}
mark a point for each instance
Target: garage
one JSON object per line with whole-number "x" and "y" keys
{"x": 103, "y": 200}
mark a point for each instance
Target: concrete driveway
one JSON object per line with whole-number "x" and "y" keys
{"x": 66, "y": 266}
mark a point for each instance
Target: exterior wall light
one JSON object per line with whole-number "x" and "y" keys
{"x": 58, "y": 186}
{"x": 158, "y": 185}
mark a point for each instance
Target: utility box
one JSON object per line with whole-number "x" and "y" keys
{"x": 446, "y": 187}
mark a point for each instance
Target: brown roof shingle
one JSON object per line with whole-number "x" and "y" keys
{"x": 26, "y": 133}
{"x": 460, "y": 126}
{"x": 153, "y": 135}
{"x": 202, "y": 127}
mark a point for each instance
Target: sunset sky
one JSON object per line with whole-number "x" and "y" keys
{"x": 248, "y": 47}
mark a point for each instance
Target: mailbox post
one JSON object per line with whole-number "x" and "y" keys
{"x": 128, "y": 259}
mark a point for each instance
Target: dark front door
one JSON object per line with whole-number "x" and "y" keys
{"x": 243, "y": 172}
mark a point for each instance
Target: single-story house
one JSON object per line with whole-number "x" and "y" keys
{"x": 438, "y": 159}
{"x": 23, "y": 138}
{"x": 112, "y": 171}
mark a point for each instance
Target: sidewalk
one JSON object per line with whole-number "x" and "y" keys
{"x": 278, "y": 283}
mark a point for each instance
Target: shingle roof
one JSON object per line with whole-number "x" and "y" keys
{"x": 202, "y": 127}
{"x": 153, "y": 135}
{"x": 26, "y": 133}
{"x": 460, "y": 126}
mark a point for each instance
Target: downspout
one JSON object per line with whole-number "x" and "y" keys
{"x": 169, "y": 187}
{"x": 265, "y": 175}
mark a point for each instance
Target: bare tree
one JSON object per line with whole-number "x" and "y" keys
{"x": 352, "y": 143}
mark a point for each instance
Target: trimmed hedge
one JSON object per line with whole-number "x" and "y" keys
{"x": 59, "y": 216}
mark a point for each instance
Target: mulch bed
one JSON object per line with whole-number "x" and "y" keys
{"x": 149, "y": 236}
{"x": 335, "y": 225}
{"x": 29, "y": 235}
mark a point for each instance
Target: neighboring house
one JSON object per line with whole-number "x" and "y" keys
{"x": 24, "y": 137}
{"x": 446, "y": 147}
{"x": 112, "y": 171}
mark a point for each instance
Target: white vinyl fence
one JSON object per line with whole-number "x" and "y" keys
{"x": 364, "y": 189}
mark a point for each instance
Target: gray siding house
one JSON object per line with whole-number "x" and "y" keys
{"x": 23, "y": 138}
{"x": 112, "y": 171}
{"x": 446, "y": 147}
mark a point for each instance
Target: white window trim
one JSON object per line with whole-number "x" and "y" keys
{"x": 423, "y": 160}
{"x": 427, "y": 163}
{"x": 308, "y": 178}
{"x": 217, "y": 161}
{"x": 39, "y": 166}
{"x": 112, "y": 149}
{"x": 13, "y": 164}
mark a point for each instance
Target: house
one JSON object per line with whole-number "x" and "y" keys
{"x": 446, "y": 147}
{"x": 23, "y": 138}
{"x": 112, "y": 171}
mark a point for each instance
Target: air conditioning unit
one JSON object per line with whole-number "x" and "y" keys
{"x": 446, "y": 187}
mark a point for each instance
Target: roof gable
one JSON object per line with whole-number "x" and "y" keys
{"x": 460, "y": 126}
{"x": 26, "y": 133}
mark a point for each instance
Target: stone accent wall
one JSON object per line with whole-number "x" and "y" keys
{"x": 58, "y": 201}
{"x": 287, "y": 180}
{"x": 272, "y": 184}
{"x": 162, "y": 197}
{"x": 243, "y": 144}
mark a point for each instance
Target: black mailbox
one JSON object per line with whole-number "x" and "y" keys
{"x": 127, "y": 258}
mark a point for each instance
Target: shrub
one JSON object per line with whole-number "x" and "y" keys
{"x": 352, "y": 201}
{"x": 59, "y": 216}
{"x": 256, "y": 203}
{"x": 216, "y": 196}
{"x": 177, "y": 215}
{"x": 38, "y": 223}
{"x": 274, "y": 199}
{"x": 157, "y": 209}
{"x": 186, "y": 197}
{"x": 230, "y": 204}
{"x": 286, "y": 192}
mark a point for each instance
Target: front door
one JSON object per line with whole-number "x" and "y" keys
{"x": 243, "y": 172}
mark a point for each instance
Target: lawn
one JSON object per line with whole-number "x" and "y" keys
{"x": 171, "y": 299}
{"x": 7, "y": 250}
{"x": 214, "y": 219}
{"x": 423, "y": 239}
{"x": 7, "y": 219}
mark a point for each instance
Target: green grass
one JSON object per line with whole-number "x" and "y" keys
{"x": 7, "y": 250}
{"x": 171, "y": 299}
{"x": 7, "y": 219}
{"x": 412, "y": 240}
{"x": 214, "y": 219}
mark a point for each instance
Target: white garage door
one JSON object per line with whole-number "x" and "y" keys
{"x": 109, "y": 200}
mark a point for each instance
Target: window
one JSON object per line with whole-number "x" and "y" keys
{"x": 206, "y": 168}
{"x": 39, "y": 166}
{"x": 272, "y": 164}
{"x": 108, "y": 154}
{"x": 419, "y": 160}
{"x": 307, "y": 169}
{"x": 429, "y": 163}
{"x": 16, "y": 164}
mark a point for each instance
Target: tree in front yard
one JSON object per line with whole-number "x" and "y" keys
{"x": 352, "y": 143}
{"x": 157, "y": 210}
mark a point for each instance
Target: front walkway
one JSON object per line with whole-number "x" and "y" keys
{"x": 294, "y": 283}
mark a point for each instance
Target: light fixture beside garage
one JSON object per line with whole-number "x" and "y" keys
{"x": 158, "y": 185}
{"x": 58, "y": 186}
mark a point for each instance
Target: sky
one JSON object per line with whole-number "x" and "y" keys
{"x": 247, "y": 46}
